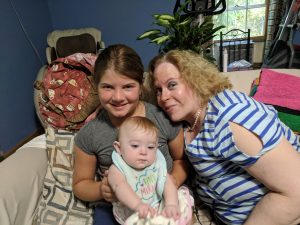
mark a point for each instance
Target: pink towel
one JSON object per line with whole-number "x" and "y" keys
{"x": 278, "y": 89}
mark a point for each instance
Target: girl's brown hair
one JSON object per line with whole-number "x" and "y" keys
{"x": 121, "y": 59}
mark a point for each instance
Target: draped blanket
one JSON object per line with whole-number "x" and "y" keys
{"x": 278, "y": 89}
{"x": 281, "y": 91}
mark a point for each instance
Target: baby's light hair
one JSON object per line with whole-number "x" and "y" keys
{"x": 139, "y": 122}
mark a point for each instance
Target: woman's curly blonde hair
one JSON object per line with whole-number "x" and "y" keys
{"x": 202, "y": 76}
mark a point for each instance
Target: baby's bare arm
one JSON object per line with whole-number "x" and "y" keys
{"x": 171, "y": 208}
{"x": 126, "y": 195}
{"x": 122, "y": 189}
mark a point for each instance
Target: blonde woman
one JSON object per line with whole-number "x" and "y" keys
{"x": 247, "y": 161}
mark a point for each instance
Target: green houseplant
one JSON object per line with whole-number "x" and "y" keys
{"x": 182, "y": 32}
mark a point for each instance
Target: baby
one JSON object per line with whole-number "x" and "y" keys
{"x": 139, "y": 175}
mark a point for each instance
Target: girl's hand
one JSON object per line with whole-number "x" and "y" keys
{"x": 106, "y": 190}
{"x": 171, "y": 211}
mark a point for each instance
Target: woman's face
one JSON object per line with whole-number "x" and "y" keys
{"x": 173, "y": 94}
{"x": 118, "y": 94}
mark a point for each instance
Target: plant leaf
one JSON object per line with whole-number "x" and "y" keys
{"x": 185, "y": 22}
{"x": 161, "y": 39}
{"x": 148, "y": 34}
{"x": 181, "y": 31}
{"x": 165, "y": 17}
{"x": 161, "y": 22}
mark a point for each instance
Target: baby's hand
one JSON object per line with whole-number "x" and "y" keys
{"x": 144, "y": 209}
{"x": 171, "y": 211}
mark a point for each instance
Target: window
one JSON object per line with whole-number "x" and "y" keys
{"x": 243, "y": 14}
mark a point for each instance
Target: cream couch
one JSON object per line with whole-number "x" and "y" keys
{"x": 22, "y": 174}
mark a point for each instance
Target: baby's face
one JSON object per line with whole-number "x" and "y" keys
{"x": 138, "y": 148}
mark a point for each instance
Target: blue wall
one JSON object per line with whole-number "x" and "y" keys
{"x": 19, "y": 65}
{"x": 120, "y": 22}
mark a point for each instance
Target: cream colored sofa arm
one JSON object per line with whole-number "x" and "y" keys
{"x": 242, "y": 80}
{"x": 21, "y": 177}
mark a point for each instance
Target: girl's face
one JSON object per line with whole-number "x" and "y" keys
{"x": 118, "y": 94}
{"x": 173, "y": 94}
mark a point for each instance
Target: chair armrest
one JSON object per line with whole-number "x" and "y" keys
{"x": 21, "y": 177}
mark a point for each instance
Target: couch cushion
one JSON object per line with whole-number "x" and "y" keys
{"x": 58, "y": 204}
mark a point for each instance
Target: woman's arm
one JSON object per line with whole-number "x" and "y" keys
{"x": 84, "y": 185}
{"x": 180, "y": 164}
{"x": 278, "y": 170}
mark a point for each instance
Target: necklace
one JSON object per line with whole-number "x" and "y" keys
{"x": 190, "y": 129}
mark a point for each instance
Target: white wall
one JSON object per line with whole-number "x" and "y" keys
{"x": 258, "y": 52}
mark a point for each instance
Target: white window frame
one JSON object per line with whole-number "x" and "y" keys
{"x": 246, "y": 7}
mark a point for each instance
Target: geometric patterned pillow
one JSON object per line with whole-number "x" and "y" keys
{"x": 58, "y": 205}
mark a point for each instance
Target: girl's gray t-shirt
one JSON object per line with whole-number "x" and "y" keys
{"x": 97, "y": 136}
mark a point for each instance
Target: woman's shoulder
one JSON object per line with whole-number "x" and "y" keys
{"x": 228, "y": 96}
{"x": 237, "y": 107}
{"x": 235, "y": 99}
{"x": 231, "y": 100}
